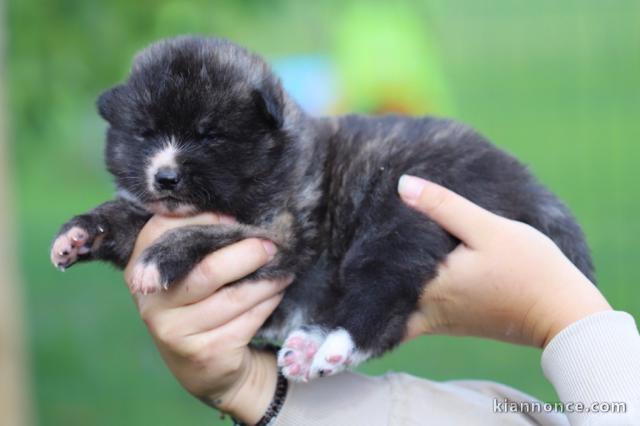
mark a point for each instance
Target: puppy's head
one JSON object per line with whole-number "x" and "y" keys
{"x": 197, "y": 124}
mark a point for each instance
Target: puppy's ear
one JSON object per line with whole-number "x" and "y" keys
{"x": 107, "y": 103}
{"x": 270, "y": 103}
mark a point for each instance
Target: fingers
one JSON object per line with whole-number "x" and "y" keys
{"x": 465, "y": 220}
{"x": 221, "y": 267}
{"x": 226, "y": 304}
{"x": 158, "y": 225}
{"x": 247, "y": 325}
{"x": 237, "y": 332}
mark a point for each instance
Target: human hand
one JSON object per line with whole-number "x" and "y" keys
{"x": 505, "y": 281}
{"x": 202, "y": 327}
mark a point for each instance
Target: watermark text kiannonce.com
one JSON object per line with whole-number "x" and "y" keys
{"x": 508, "y": 406}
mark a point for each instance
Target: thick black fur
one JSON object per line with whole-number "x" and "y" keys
{"x": 324, "y": 189}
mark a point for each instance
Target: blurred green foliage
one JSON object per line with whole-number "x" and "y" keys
{"x": 556, "y": 83}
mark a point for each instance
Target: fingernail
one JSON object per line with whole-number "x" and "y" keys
{"x": 270, "y": 248}
{"x": 410, "y": 188}
{"x": 285, "y": 282}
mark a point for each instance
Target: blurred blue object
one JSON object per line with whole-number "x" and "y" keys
{"x": 311, "y": 80}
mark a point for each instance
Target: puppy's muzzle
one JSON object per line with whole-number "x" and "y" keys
{"x": 166, "y": 179}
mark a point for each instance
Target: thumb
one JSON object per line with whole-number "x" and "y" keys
{"x": 465, "y": 220}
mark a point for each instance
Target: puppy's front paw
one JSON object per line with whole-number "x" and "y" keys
{"x": 146, "y": 279}
{"x": 77, "y": 240}
{"x": 167, "y": 261}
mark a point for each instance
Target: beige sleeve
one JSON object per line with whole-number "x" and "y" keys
{"x": 345, "y": 399}
{"x": 400, "y": 399}
{"x": 596, "y": 362}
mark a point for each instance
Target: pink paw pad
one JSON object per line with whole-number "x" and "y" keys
{"x": 334, "y": 359}
{"x": 288, "y": 359}
{"x": 296, "y": 356}
{"x": 295, "y": 342}
{"x": 69, "y": 246}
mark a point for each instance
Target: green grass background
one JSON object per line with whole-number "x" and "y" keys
{"x": 555, "y": 83}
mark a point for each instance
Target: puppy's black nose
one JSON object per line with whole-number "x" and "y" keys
{"x": 167, "y": 178}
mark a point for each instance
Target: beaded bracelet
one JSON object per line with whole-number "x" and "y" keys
{"x": 277, "y": 402}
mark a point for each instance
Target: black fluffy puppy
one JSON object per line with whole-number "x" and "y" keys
{"x": 204, "y": 125}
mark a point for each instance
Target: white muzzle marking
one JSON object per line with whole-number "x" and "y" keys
{"x": 166, "y": 157}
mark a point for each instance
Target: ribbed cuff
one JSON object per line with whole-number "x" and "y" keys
{"x": 596, "y": 361}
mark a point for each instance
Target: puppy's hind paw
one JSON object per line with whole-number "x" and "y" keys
{"x": 337, "y": 353}
{"x": 297, "y": 352}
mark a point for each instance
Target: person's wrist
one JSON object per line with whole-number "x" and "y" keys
{"x": 570, "y": 318}
{"x": 249, "y": 399}
{"x": 578, "y": 299}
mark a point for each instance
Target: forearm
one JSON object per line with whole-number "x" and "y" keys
{"x": 122, "y": 222}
